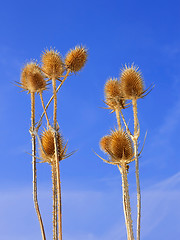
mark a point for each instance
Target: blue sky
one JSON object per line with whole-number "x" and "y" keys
{"x": 117, "y": 32}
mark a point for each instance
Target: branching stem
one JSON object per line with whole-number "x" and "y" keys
{"x": 42, "y": 101}
{"x": 50, "y": 100}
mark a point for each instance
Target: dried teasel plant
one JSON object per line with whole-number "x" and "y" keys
{"x": 121, "y": 146}
{"x": 34, "y": 79}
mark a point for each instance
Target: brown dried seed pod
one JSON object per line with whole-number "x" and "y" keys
{"x": 121, "y": 145}
{"x": 52, "y": 63}
{"x": 48, "y": 149}
{"x": 132, "y": 84}
{"x": 76, "y": 59}
{"x": 113, "y": 94}
{"x": 104, "y": 143}
{"x": 32, "y": 78}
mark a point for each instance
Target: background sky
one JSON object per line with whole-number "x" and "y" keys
{"x": 115, "y": 32}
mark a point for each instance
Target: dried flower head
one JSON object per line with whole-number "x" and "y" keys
{"x": 32, "y": 78}
{"x": 52, "y": 63}
{"x": 76, "y": 59}
{"x": 132, "y": 84}
{"x": 121, "y": 146}
{"x": 113, "y": 94}
{"x": 105, "y": 143}
{"x": 48, "y": 149}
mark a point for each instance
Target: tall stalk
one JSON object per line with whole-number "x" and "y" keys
{"x": 54, "y": 188}
{"x": 135, "y": 141}
{"x": 36, "y": 205}
{"x": 57, "y": 161}
{"x": 126, "y": 200}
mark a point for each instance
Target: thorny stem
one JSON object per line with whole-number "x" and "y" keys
{"x": 135, "y": 141}
{"x": 126, "y": 202}
{"x": 42, "y": 101}
{"x": 57, "y": 161}
{"x": 50, "y": 100}
{"x": 118, "y": 118}
{"x": 36, "y": 205}
{"x": 54, "y": 188}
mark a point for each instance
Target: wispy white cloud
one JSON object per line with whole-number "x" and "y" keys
{"x": 92, "y": 215}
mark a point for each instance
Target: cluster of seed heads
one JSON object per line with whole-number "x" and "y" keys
{"x": 129, "y": 86}
{"x": 33, "y": 80}
{"x": 33, "y": 76}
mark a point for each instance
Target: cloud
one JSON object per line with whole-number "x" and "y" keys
{"x": 92, "y": 214}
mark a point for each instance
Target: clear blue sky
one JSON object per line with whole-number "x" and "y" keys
{"x": 115, "y": 32}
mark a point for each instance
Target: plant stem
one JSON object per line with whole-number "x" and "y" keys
{"x": 126, "y": 202}
{"x": 42, "y": 101}
{"x": 118, "y": 118}
{"x": 50, "y": 100}
{"x": 36, "y": 205}
{"x": 54, "y": 188}
{"x": 135, "y": 141}
{"x": 57, "y": 161}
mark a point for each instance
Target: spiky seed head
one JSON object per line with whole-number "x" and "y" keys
{"x": 132, "y": 84}
{"x": 76, "y": 59}
{"x": 121, "y": 145}
{"x": 105, "y": 143}
{"x": 113, "y": 94}
{"x": 52, "y": 63}
{"x": 48, "y": 149}
{"x": 32, "y": 78}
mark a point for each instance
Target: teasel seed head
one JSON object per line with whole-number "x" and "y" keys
{"x": 52, "y": 63}
{"x": 32, "y": 78}
{"x": 105, "y": 143}
{"x": 76, "y": 58}
{"x": 132, "y": 84}
{"x": 47, "y": 150}
{"x": 121, "y": 146}
{"x": 113, "y": 94}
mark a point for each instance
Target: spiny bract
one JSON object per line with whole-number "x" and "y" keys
{"x": 32, "y": 78}
{"x": 132, "y": 84}
{"x": 76, "y": 59}
{"x": 113, "y": 94}
{"x": 52, "y": 63}
{"x": 48, "y": 149}
{"x": 118, "y": 145}
{"x": 121, "y": 145}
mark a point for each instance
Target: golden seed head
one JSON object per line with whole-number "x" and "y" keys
{"x": 48, "y": 149}
{"x": 76, "y": 59}
{"x": 132, "y": 84}
{"x": 113, "y": 94}
{"x": 32, "y": 78}
{"x": 121, "y": 145}
{"x": 52, "y": 63}
{"x": 104, "y": 143}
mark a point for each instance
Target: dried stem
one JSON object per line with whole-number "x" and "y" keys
{"x": 126, "y": 202}
{"x": 118, "y": 118}
{"x": 57, "y": 161}
{"x": 54, "y": 188}
{"x": 42, "y": 101}
{"x": 36, "y": 205}
{"x": 135, "y": 141}
{"x": 50, "y": 100}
